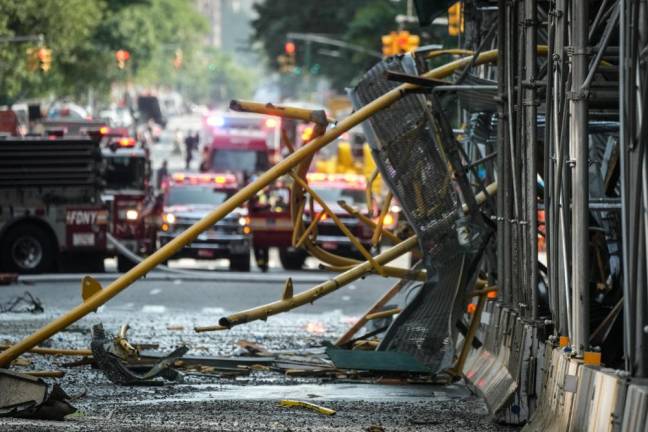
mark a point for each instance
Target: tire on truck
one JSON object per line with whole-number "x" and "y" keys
{"x": 291, "y": 258}
{"x": 124, "y": 264}
{"x": 261, "y": 256}
{"x": 240, "y": 262}
{"x": 28, "y": 248}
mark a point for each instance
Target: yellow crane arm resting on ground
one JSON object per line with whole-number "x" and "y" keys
{"x": 327, "y": 287}
{"x": 186, "y": 237}
{"x": 312, "y": 294}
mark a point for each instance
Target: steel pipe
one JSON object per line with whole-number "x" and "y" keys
{"x": 247, "y": 192}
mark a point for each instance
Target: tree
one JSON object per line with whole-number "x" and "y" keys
{"x": 61, "y": 27}
{"x": 360, "y": 22}
{"x": 84, "y": 35}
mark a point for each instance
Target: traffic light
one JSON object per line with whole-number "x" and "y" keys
{"x": 122, "y": 57}
{"x": 44, "y": 59}
{"x": 407, "y": 42}
{"x": 389, "y": 44}
{"x": 286, "y": 64}
{"x": 455, "y": 19}
{"x": 32, "y": 59}
{"x": 178, "y": 59}
{"x": 287, "y": 61}
{"x": 399, "y": 42}
{"x": 290, "y": 48}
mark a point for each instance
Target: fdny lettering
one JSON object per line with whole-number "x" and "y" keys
{"x": 81, "y": 217}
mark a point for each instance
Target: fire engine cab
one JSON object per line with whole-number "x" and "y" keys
{"x": 272, "y": 227}
{"x": 188, "y": 197}
{"x": 135, "y": 212}
{"x": 240, "y": 144}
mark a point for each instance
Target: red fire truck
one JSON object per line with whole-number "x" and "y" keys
{"x": 188, "y": 197}
{"x": 135, "y": 211}
{"x": 271, "y": 225}
{"x": 240, "y": 144}
{"x": 51, "y": 212}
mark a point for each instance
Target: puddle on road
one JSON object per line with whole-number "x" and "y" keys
{"x": 316, "y": 392}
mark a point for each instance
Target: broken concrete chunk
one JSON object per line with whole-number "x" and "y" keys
{"x": 25, "y": 396}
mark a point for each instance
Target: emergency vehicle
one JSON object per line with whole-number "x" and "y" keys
{"x": 188, "y": 197}
{"x": 51, "y": 212}
{"x": 272, "y": 227}
{"x": 240, "y": 144}
{"x": 135, "y": 211}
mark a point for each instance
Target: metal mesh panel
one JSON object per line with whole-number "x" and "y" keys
{"x": 477, "y": 100}
{"x": 415, "y": 168}
{"x": 415, "y": 151}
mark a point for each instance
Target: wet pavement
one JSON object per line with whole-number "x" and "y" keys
{"x": 165, "y": 312}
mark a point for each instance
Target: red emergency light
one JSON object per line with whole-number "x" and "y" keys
{"x": 205, "y": 179}
{"x": 126, "y": 142}
{"x": 353, "y": 180}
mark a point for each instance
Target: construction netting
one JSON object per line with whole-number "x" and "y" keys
{"x": 417, "y": 155}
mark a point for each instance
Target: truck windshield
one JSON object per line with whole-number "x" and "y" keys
{"x": 245, "y": 161}
{"x": 192, "y": 195}
{"x": 333, "y": 195}
{"x": 123, "y": 172}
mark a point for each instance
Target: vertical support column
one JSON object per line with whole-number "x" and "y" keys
{"x": 530, "y": 126}
{"x": 512, "y": 215}
{"x": 548, "y": 169}
{"x": 558, "y": 257}
{"x": 578, "y": 145}
{"x": 503, "y": 232}
{"x": 627, "y": 320}
{"x": 642, "y": 289}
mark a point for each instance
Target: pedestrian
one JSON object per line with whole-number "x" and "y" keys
{"x": 189, "y": 147}
{"x": 196, "y": 141}
{"x": 177, "y": 141}
{"x": 162, "y": 174}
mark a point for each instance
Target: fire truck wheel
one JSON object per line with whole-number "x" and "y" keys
{"x": 292, "y": 259}
{"x": 240, "y": 262}
{"x": 261, "y": 256}
{"x": 124, "y": 264}
{"x": 27, "y": 248}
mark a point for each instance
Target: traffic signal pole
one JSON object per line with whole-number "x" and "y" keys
{"x": 325, "y": 40}
{"x": 26, "y": 38}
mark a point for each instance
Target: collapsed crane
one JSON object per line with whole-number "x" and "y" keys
{"x": 554, "y": 120}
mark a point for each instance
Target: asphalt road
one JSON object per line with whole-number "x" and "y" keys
{"x": 165, "y": 307}
{"x": 181, "y": 295}
{"x": 165, "y": 312}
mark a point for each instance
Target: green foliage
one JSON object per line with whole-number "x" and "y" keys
{"x": 207, "y": 76}
{"x": 61, "y": 27}
{"x": 359, "y": 22}
{"x": 84, "y": 35}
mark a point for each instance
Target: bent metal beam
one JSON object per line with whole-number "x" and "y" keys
{"x": 291, "y": 161}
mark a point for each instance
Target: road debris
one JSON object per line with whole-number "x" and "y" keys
{"x": 310, "y": 406}
{"x": 45, "y": 374}
{"x": 26, "y": 303}
{"x": 26, "y": 396}
{"x": 376, "y": 360}
{"x": 113, "y": 360}
{"x": 254, "y": 349}
{"x": 8, "y": 278}
{"x": 55, "y": 351}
